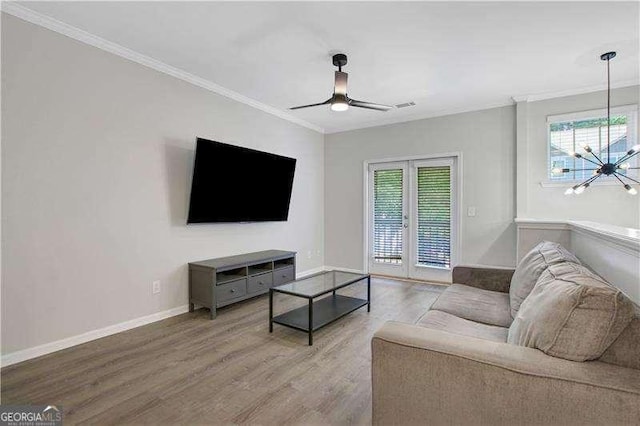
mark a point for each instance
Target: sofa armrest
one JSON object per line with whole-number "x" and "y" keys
{"x": 421, "y": 375}
{"x": 493, "y": 279}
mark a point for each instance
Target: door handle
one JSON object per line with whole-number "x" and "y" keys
{"x": 406, "y": 225}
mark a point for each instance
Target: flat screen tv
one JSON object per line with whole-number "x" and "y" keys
{"x": 235, "y": 184}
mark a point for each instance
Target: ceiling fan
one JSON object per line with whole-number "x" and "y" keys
{"x": 340, "y": 101}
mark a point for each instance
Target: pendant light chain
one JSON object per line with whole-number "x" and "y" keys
{"x": 608, "y": 111}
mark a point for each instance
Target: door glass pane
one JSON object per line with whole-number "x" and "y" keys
{"x": 434, "y": 216}
{"x": 387, "y": 216}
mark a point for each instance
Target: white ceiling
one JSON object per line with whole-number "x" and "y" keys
{"x": 446, "y": 57}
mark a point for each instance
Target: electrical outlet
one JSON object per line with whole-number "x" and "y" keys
{"x": 155, "y": 287}
{"x": 309, "y": 254}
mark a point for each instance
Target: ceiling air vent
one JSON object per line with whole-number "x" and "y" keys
{"x": 405, "y": 105}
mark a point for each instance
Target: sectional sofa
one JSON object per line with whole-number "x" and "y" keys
{"x": 548, "y": 343}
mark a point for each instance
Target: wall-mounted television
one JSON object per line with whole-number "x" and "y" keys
{"x": 236, "y": 184}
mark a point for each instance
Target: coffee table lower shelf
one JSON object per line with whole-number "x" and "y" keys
{"x": 325, "y": 311}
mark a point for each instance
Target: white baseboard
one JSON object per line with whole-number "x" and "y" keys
{"x": 58, "y": 345}
{"x": 309, "y": 272}
{"x": 47, "y": 348}
{"x": 338, "y": 268}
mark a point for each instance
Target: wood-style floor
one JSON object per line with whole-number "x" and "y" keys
{"x": 190, "y": 370}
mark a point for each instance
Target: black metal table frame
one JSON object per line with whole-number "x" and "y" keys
{"x": 310, "y": 328}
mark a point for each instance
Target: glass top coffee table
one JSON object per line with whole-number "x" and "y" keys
{"x": 324, "y": 311}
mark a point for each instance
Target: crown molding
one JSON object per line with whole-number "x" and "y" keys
{"x": 26, "y": 14}
{"x": 18, "y": 10}
{"x": 572, "y": 92}
{"x": 520, "y": 98}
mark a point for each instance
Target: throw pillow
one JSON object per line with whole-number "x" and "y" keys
{"x": 571, "y": 313}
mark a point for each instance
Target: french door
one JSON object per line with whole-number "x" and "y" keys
{"x": 412, "y": 218}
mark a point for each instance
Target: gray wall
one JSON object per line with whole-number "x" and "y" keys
{"x": 486, "y": 140}
{"x": 96, "y": 166}
{"x": 595, "y": 203}
{"x": 97, "y": 155}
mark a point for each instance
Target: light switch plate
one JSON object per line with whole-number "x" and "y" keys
{"x": 471, "y": 211}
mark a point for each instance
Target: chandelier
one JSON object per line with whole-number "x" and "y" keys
{"x": 600, "y": 167}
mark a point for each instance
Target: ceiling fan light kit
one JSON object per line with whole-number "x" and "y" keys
{"x": 340, "y": 101}
{"x": 602, "y": 168}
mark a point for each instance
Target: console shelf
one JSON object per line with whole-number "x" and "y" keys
{"x": 214, "y": 283}
{"x": 325, "y": 311}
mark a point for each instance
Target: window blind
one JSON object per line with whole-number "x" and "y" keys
{"x": 434, "y": 216}
{"x": 387, "y": 216}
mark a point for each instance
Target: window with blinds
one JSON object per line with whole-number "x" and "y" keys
{"x": 570, "y": 133}
{"x": 434, "y": 216}
{"x": 387, "y": 216}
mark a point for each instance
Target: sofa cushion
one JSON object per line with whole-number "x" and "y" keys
{"x": 571, "y": 313}
{"x": 439, "y": 320}
{"x": 475, "y": 304}
{"x": 625, "y": 350}
{"x": 532, "y": 265}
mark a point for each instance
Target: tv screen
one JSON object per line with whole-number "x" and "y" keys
{"x": 235, "y": 184}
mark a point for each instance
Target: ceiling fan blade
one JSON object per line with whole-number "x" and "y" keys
{"x": 328, "y": 101}
{"x": 369, "y": 105}
{"x": 340, "y": 86}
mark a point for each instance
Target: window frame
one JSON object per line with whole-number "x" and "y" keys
{"x": 631, "y": 111}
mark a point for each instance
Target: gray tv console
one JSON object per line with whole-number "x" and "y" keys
{"x": 214, "y": 283}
